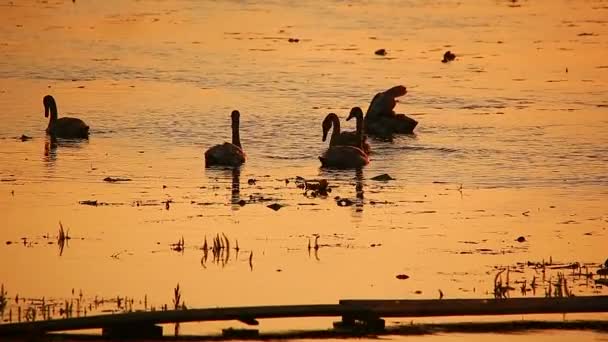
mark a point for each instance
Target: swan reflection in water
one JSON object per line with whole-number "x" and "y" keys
{"x": 52, "y": 143}
{"x": 345, "y": 199}
{"x": 235, "y": 197}
{"x": 50, "y": 149}
{"x": 223, "y": 175}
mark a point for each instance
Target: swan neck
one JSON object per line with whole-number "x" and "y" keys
{"x": 335, "y": 123}
{"x": 359, "y": 130}
{"x": 236, "y": 137}
{"x": 53, "y": 111}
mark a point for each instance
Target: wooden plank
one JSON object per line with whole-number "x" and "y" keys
{"x": 350, "y": 309}
{"x": 478, "y": 307}
{"x": 175, "y": 316}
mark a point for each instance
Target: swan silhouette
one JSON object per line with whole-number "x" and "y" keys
{"x": 341, "y": 138}
{"x": 228, "y": 154}
{"x": 341, "y": 156}
{"x": 381, "y": 119}
{"x": 63, "y": 127}
{"x": 360, "y": 137}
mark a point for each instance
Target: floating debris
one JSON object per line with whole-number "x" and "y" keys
{"x": 24, "y": 137}
{"x": 385, "y": 177}
{"x": 116, "y": 179}
{"x": 96, "y": 203}
{"x": 275, "y": 206}
{"x": 344, "y": 202}
{"x": 293, "y": 40}
{"x": 381, "y": 52}
{"x": 402, "y": 276}
{"x": 251, "y": 181}
{"x": 521, "y": 239}
{"x": 448, "y": 56}
{"x": 89, "y": 202}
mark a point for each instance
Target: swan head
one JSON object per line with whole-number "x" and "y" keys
{"x": 235, "y": 115}
{"x": 327, "y": 123}
{"x": 355, "y": 112}
{"x": 49, "y": 103}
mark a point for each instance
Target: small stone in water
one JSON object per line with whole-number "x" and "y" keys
{"x": 521, "y": 239}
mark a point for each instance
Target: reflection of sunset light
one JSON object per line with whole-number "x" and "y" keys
{"x": 511, "y": 142}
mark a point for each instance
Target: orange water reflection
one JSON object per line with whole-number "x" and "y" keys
{"x": 510, "y": 144}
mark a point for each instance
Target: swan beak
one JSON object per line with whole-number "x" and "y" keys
{"x": 350, "y": 116}
{"x": 325, "y": 134}
{"x": 46, "y": 110}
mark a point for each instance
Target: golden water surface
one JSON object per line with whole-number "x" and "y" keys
{"x": 512, "y": 141}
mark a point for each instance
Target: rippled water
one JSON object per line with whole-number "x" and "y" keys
{"x": 512, "y": 140}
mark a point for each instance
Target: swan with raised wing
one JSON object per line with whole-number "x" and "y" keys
{"x": 381, "y": 119}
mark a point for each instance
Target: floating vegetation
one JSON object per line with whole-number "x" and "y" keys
{"x": 501, "y": 290}
{"x": 3, "y": 301}
{"x": 220, "y": 250}
{"x": 179, "y": 246}
{"x": 251, "y": 260}
{"x": 62, "y": 238}
{"x": 178, "y": 304}
{"x": 313, "y": 187}
{"x": 549, "y": 278}
{"x": 21, "y": 309}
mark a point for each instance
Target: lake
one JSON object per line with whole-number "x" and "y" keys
{"x": 512, "y": 142}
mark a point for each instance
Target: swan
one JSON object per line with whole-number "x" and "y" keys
{"x": 380, "y": 118}
{"x": 228, "y": 154}
{"x": 341, "y": 156}
{"x": 64, "y": 127}
{"x": 338, "y": 137}
{"x": 357, "y": 113}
